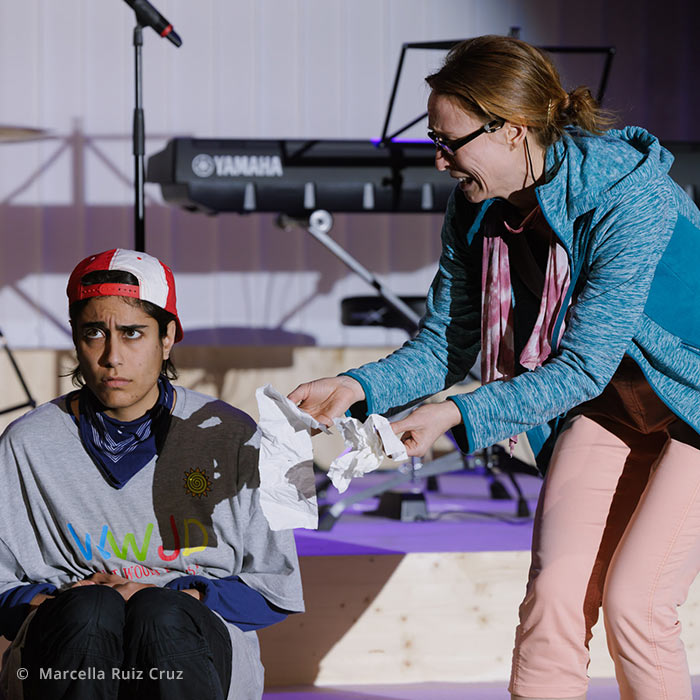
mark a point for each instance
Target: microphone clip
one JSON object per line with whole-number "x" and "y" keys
{"x": 148, "y": 16}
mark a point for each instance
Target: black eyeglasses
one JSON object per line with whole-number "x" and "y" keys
{"x": 450, "y": 147}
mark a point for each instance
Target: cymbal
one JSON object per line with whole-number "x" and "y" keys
{"x": 20, "y": 133}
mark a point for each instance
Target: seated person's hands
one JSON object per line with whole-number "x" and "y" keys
{"x": 125, "y": 587}
{"x": 38, "y": 599}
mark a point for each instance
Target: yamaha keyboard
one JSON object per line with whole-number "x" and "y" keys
{"x": 298, "y": 177}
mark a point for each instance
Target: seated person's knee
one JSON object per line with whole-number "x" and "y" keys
{"x": 154, "y": 611}
{"x": 77, "y": 614}
{"x": 86, "y": 606}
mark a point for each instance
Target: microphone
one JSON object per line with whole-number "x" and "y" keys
{"x": 148, "y": 16}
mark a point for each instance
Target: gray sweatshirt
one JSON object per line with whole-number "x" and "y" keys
{"x": 192, "y": 511}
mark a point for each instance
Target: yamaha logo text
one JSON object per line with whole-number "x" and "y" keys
{"x": 204, "y": 165}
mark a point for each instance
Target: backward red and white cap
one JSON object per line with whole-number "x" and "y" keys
{"x": 156, "y": 281}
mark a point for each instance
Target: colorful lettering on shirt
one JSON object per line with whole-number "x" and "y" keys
{"x": 129, "y": 539}
{"x": 191, "y": 550}
{"x": 103, "y": 539}
{"x": 138, "y": 571}
{"x": 122, "y": 552}
{"x": 176, "y": 537}
{"x": 86, "y": 550}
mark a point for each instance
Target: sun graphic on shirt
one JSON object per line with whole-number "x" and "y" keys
{"x": 197, "y": 482}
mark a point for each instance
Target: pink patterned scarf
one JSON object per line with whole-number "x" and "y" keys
{"x": 497, "y": 346}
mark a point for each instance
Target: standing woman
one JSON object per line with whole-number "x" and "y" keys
{"x": 569, "y": 259}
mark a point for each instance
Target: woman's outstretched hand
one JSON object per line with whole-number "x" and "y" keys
{"x": 425, "y": 425}
{"x": 327, "y": 398}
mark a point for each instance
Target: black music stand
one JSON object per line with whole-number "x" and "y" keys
{"x": 607, "y": 51}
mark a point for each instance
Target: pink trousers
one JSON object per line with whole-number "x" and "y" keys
{"x": 617, "y": 526}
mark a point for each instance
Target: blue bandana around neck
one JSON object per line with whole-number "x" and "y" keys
{"x": 122, "y": 448}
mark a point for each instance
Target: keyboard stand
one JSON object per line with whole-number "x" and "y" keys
{"x": 319, "y": 225}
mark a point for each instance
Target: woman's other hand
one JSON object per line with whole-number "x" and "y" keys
{"x": 425, "y": 425}
{"x": 327, "y": 398}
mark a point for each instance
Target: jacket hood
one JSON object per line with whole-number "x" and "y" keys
{"x": 585, "y": 171}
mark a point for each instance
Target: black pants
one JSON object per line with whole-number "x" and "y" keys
{"x": 90, "y": 644}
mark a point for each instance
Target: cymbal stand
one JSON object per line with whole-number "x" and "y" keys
{"x": 30, "y": 402}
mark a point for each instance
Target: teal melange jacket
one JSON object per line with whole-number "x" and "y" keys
{"x": 633, "y": 240}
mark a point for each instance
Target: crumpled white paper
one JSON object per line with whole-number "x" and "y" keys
{"x": 287, "y": 483}
{"x": 367, "y": 444}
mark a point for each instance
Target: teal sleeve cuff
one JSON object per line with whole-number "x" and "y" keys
{"x": 462, "y": 433}
{"x": 361, "y": 409}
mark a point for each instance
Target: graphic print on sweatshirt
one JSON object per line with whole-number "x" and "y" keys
{"x": 129, "y": 546}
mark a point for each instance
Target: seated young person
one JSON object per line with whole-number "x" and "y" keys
{"x": 135, "y": 561}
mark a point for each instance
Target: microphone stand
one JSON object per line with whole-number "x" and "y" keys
{"x": 139, "y": 143}
{"x": 146, "y": 16}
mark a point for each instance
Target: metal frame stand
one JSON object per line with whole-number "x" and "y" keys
{"x": 319, "y": 225}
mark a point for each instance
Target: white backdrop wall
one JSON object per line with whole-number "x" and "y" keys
{"x": 261, "y": 69}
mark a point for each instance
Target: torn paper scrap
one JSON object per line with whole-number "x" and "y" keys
{"x": 367, "y": 445}
{"x": 287, "y": 484}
